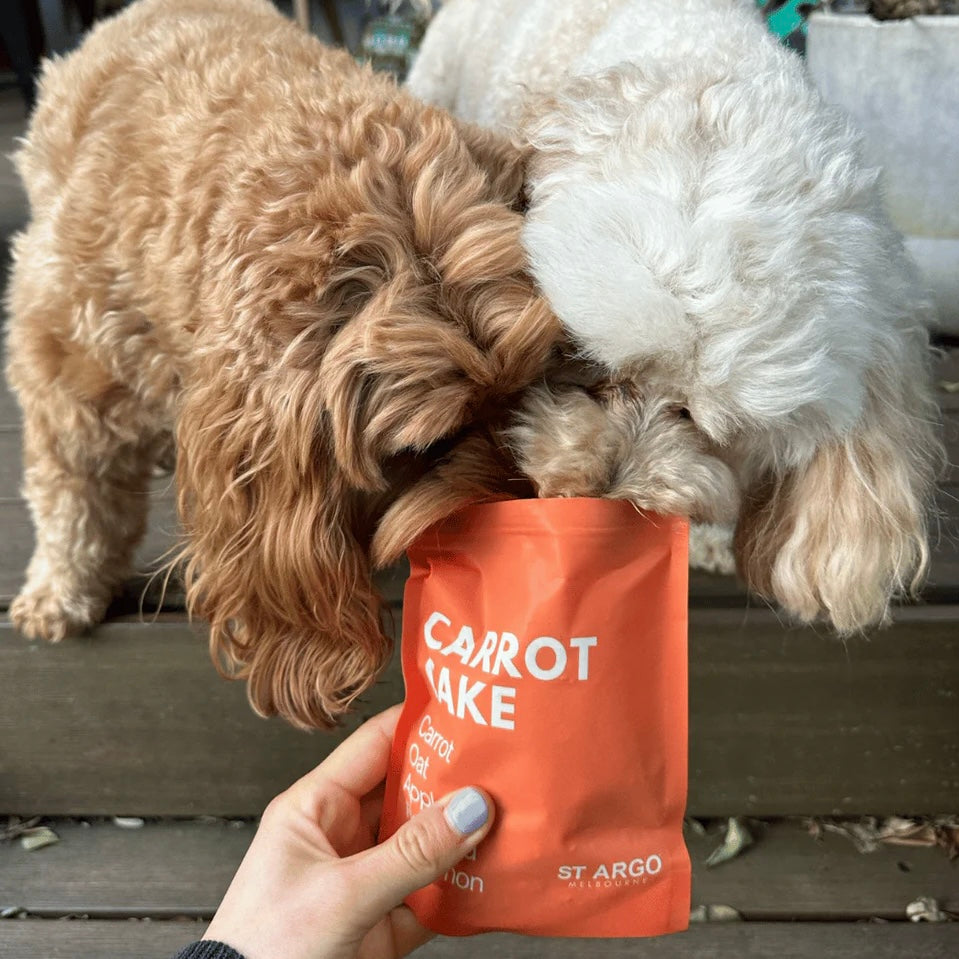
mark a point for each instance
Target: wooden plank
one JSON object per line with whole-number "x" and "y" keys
{"x": 81, "y": 939}
{"x": 17, "y": 533}
{"x": 133, "y": 719}
{"x": 790, "y": 722}
{"x": 705, "y": 589}
{"x": 174, "y": 868}
{"x": 788, "y": 875}
{"x": 18, "y": 544}
{"x": 725, "y": 941}
{"x": 167, "y": 868}
{"x": 947, "y": 377}
{"x": 947, "y": 372}
{"x": 162, "y": 534}
{"x": 783, "y": 722}
{"x": 11, "y": 467}
{"x": 143, "y": 590}
{"x": 9, "y": 411}
{"x": 100, "y": 939}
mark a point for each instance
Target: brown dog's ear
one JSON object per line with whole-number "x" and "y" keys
{"x": 846, "y": 534}
{"x": 450, "y": 324}
{"x": 273, "y": 561}
{"x": 397, "y": 379}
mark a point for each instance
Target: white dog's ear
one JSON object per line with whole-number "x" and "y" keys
{"x": 846, "y": 533}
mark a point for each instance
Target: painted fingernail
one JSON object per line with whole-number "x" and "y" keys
{"x": 467, "y": 811}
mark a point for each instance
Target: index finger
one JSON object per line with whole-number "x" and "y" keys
{"x": 358, "y": 764}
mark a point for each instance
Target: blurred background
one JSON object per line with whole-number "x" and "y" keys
{"x": 30, "y": 29}
{"x": 893, "y": 65}
{"x": 387, "y": 31}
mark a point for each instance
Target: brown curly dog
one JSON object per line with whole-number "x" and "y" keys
{"x": 316, "y": 280}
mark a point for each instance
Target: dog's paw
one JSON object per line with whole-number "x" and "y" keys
{"x": 711, "y": 548}
{"x": 46, "y": 613}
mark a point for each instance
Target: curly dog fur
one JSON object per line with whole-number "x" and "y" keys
{"x": 316, "y": 280}
{"x": 707, "y": 230}
{"x": 320, "y": 284}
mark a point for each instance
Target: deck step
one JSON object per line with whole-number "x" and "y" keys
{"x": 103, "y": 939}
{"x": 134, "y": 720}
{"x": 705, "y": 589}
{"x": 171, "y": 869}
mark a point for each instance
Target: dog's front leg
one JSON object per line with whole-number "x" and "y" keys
{"x": 86, "y": 487}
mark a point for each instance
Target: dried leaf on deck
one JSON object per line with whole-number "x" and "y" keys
{"x": 17, "y": 827}
{"x": 737, "y": 839}
{"x": 37, "y": 838}
{"x": 714, "y": 913}
{"x": 947, "y": 835}
{"x": 925, "y": 909}
{"x": 943, "y": 831}
{"x": 907, "y": 832}
{"x": 864, "y": 833}
{"x": 869, "y": 833}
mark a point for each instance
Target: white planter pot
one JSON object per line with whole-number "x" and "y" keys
{"x": 899, "y": 81}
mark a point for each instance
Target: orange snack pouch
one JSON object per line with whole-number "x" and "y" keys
{"x": 544, "y": 655}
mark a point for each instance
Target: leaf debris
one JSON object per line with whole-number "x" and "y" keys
{"x": 714, "y": 913}
{"x": 37, "y": 838}
{"x": 737, "y": 839}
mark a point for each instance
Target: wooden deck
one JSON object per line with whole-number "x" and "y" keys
{"x": 133, "y": 721}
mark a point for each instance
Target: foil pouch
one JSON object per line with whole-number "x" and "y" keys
{"x": 544, "y": 656}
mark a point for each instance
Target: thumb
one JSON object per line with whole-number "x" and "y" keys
{"x": 420, "y": 851}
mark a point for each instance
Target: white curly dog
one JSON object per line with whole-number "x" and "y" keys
{"x": 709, "y": 232}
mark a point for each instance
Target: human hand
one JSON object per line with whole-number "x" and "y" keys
{"x": 313, "y": 884}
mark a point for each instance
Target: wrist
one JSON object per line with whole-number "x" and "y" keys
{"x": 209, "y": 949}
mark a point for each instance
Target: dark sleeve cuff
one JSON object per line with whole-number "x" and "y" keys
{"x": 208, "y": 950}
